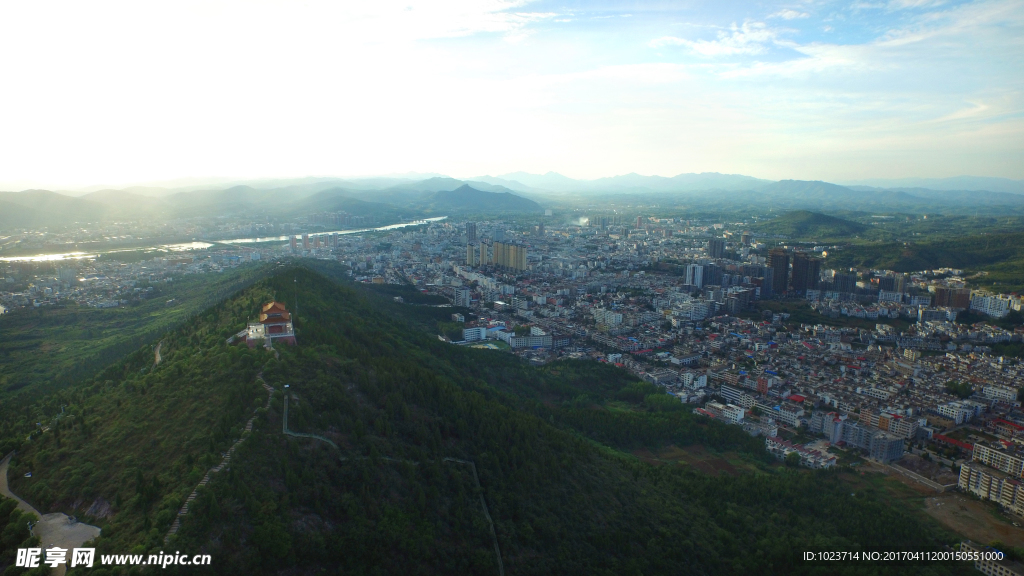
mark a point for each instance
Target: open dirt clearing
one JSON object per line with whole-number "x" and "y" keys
{"x": 54, "y": 529}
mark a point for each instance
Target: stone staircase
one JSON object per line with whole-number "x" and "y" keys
{"x": 223, "y": 464}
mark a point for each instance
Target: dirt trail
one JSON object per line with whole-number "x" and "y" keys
{"x": 156, "y": 354}
{"x": 54, "y": 529}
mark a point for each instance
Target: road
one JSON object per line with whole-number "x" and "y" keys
{"x": 52, "y": 529}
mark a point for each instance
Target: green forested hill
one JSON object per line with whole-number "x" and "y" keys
{"x": 552, "y": 447}
{"x": 806, "y": 224}
{"x": 1000, "y": 255}
{"x": 51, "y": 347}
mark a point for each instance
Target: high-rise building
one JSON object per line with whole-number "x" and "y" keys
{"x": 472, "y": 255}
{"x": 953, "y": 297}
{"x": 806, "y": 269}
{"x": 844, "y": 282}
{"x": 471, "y": 232}
{"x": 695, "y": 275}
{"x": 755, "y": 272}
{"x": 713, "y": 275}
{"x": 498, "y": 236}
{"x": 463, "y": 297}
{"x": 639, "y": 221}
{"x": 291, "y": 241}
{"x": 716, "y": 248}
{"x": 511, "y": 256}
{"x": 902, "y": 282}
{"x": 539, "y": 229}
{"x": 305, "y": 241}
{"x": 746, "y": 238}
{"x": 66, "y": 274}
{"x": 778, "y": 260}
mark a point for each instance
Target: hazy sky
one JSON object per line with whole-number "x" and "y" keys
{"x": 117, "y": 92}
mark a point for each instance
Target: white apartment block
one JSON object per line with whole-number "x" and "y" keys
{"x": 996, "y": 306}
{"x": 1011, "y": 464}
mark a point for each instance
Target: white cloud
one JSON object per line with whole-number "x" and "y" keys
{"x": 750, "y": 38}
{"x": 966, "y": 113}
{"x": 904, "y": 4}
{"x": 789, "y": 14}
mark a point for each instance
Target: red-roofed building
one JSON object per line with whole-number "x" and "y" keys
{"x": 275, "y": 323}
{"x": 953, "y": 442}
{"x": 1007, "y": 428}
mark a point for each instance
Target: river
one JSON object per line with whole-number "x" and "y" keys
{"x": 202, "y": 245}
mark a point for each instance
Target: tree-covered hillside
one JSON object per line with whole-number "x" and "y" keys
{"x": 1001, "y": 256}
{"x": 552, "y": 447}
{"x": 813, "y": 225}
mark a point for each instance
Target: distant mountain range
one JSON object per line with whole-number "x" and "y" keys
{"x": 955, "y": 183}
{"x": 387, "y": 199}
{"x": 396, "y": 198}
{"x": 636, "y": 183}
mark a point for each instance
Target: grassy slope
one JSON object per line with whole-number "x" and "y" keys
{"x": 561, "y": 502}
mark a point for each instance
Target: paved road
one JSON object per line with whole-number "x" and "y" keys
{"x": 52, "y": 529}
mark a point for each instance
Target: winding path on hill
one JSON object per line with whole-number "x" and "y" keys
{"x": 284, "y": 429}
{"x": 287, "y": 432}
{"x": 223, "y": 463}
{"x": 156, "y": 354}
{"x": 55, "y": 529}
{"x": 476, "y": 478}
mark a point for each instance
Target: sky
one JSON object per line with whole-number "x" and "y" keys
{"x": 122, "y": 92}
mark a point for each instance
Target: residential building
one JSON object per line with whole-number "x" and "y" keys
{"x": 1001, "y": 457}
{"x": 778, "y": 260}
{"x": 806, "y": 270}
{"x": 716, "y": 248}
{"x": 986, "y": 564}
{"x": 811, "y": 458}
{"x": 511, "y": 256}
{"x": 463, "y": 297}
{"x": 996, "y": 306}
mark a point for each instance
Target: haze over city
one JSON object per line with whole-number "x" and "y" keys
{"x": 117, "y": 93}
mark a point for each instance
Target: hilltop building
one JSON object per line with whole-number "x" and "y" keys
{"x": 275, "y": 324}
